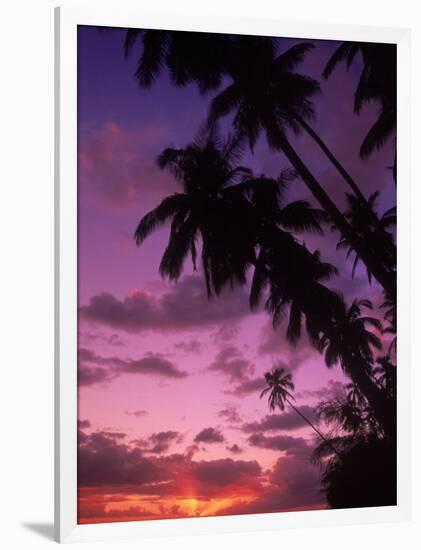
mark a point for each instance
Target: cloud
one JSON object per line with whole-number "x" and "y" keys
{"x": 292, "y": 445}
{"x": 83, "y": 424}
{"x": 112, "y": 471}
{"x": 247, "y": 386}
{"x": 159, "y": 442}
{"x": 88, "y": 376}
{"x": 137, "y": 414}
{"x": 119, "y": 165}
{"x": 223, "y": 473}
{"x": 192, "y": 346}
{"x": 91, "y": 367}
{"x": 230, "y": 414}
{"x": 293, "y": 483}
{"x": 234, "y": 449}
{"x": 151, "y": 364}
{"x": 184, "y": 307}
{"x": 107, "y": 464}
{"x": 103, "y": 459}
{"x": 225, "y": 333}
{"x": 275, "y": 343}
{"x": 230, "y": 362}
{"x": 111, "y": 339}
{"x": 333, "y": 388}
{"x": 286, "y": 421}
{"x": 209, "y": 435}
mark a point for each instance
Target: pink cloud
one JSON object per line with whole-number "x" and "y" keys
{"x": 118, "y": 164}
{"x": 186, "y": 306}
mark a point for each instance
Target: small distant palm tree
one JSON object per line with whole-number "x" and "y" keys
{"x": 279, "y": 389}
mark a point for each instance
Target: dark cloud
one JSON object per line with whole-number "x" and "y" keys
{"x": 103, "y": 459}
{"x": 234, "y": 449}
{"x": 152, "y": 364}
{"x": 333, "y": 389}
{"x": 230, "y": 414}
{"x": 293, "y": 483}
{"x": 209, "y": 435}
{"x": 289, "y": 420}
{"x": 226, "y": 472}
{"x": 186, "y": 306}
{"x": 137, "y": 414}
{"x": 231, "y": 362}
{"x": 110, "y": 339}
{"x": 91, "y": 367}
{"x": 192, "y": 346}
{"x": 83, "y": 424}
{"x": 292, "y": 445}
{"x": 158, "y": 442}
{"x": 247, "y": 386}
{"x": 88, "y": 376}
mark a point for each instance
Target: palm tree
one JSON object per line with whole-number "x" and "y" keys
{"x": 385, "y": 374}
{"x": 267, "y": 94}
{"x": 349, "y": 343}
{"x": 374, "y": 229}
{"x": 279, "y": 387}
{"x": 378, "y": 82}
{"x": 202, "y": 58}
{"x": 189, "y": 56}
{"x": 228, "y": 209}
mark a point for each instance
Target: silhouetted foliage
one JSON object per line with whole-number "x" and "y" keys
{"x": 378, "y": 82}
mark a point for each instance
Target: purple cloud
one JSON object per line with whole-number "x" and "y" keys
{"x": 91, "y": 367}
{"x": 186, "y": 306}
{"x": 292, "y": 445}
{"x": 286, "y": 421}
{"x": 209, "y": 435}
{"x": 234, "y": 449}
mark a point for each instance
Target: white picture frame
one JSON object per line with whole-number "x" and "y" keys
{"x": 66, "y": 527}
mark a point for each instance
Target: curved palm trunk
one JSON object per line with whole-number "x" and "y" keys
{"x": 347, "y": 177}
{"x": 319, "y": 433}
{"x": 344, "y": 173}
{"x": 384, "y": 277}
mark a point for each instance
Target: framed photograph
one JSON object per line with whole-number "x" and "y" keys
{"x": 232, "y": 316}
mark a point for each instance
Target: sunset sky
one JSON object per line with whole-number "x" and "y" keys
{"x": 171, "y": 424}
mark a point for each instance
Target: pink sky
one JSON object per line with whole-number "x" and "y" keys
{"x": 170, "y": 417}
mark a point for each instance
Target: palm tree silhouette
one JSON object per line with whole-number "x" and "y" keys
{"x": 378, "y": 82}
{"x": 267, "y": 94}
{"x": 279, "y": 387}
{"x": 349, "y": 343}
{"x": 203, "y": 58}
{"x": 229, "y": 209}
{"x": 385, "y": 374}
{"x": 375, "y": 230}
{"x": 189, "y": 56}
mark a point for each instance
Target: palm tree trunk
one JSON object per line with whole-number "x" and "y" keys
{"x": 319, "y": 433}
{"x": 384, "y": 277}
{"x": 347, "y": 177}
{"x": 344, "y": 173}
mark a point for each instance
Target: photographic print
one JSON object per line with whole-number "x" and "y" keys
{"x": 236, "y": 274}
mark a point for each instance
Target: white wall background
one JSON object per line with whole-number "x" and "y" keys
{"x": 26, "y": 272}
